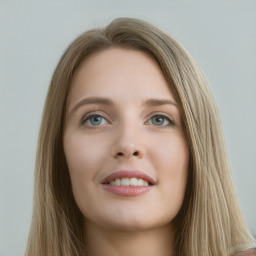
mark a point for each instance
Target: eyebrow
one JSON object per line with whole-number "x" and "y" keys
{"x": 108, "y": 102}
{"x": 92, "y": 100}
{"x": 159, "y": 102}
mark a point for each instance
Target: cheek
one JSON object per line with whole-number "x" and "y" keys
{"x": 171, "y": 152}
{"x": 84, "y": 154}
{"x": 85, "y": 157}
{"x": 171, "y": 159}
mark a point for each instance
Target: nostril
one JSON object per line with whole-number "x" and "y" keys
{"x": 127, "y": 153}
{"x": 136, "y": 153}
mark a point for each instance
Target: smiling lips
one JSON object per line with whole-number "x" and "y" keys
{"x": 128, "y": 183}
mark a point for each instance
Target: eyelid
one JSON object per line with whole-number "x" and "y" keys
{"x": 103, "y": 115}
{"x": 165, "y": 115}
{"x": 92, "y": 113}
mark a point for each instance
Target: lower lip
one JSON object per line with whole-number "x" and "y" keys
{"x": 128, "y": 191}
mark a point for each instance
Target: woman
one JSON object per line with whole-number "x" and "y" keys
{"x": 131, "y": 156}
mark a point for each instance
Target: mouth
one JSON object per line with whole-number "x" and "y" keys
{"x": 133, "y": 182}
{"x": 127, "y": 178}
{"x": 128, "y": 183}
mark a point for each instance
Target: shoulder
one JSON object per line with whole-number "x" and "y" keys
{"x": 249, "y": 252}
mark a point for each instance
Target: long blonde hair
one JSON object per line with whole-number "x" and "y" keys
{"x": 210, "y": 221}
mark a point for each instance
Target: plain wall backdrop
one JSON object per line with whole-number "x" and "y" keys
{"x": 220, "y": 34}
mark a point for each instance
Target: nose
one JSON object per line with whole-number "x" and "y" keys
{"x": 128, "y": 151}
{"x": 128, "y": 144}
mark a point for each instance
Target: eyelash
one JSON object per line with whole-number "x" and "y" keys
{"x": 90, "y": 115}
{"x": 160, "y": 115}
{"x": 165, "y": 117}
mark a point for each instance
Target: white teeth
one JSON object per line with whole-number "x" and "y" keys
{"x": 128, "y": 182}
{"x": 117, "y": 182}
{"x": 140, "y": 182}
{"x": 125, "y": 182}
{"x": 133, "y": 182}
{"x": 145, "y": 183}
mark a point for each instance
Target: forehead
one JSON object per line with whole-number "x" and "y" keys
{"x": 114, "y": 72}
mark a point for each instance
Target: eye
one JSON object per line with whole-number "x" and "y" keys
{"x": 161, "y": 120}
{"x": 94, "y": 120}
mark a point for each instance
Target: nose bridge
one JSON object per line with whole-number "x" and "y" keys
{"x": 128, "y": 140}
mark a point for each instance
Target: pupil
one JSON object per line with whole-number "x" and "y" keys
{"x": 96, "y": 120}
{"x": 158, "y": 120}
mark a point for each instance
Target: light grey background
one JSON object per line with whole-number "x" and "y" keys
{"x": 220, "y": 34}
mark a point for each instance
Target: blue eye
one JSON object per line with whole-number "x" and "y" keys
{"x": 161, "y": 120}
{"x": 94, "y": 120}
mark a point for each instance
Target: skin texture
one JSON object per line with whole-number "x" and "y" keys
{"x": 125, "y": 137}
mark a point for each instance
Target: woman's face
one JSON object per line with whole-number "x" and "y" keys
{"x": 124, "y": 142}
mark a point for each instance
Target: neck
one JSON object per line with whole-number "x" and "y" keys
{"x": 104, "y": 241}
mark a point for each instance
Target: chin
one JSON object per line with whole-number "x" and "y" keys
{"x": 133, "y": 222}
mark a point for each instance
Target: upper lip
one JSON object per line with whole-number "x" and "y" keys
{"x": 129, "y": 174}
